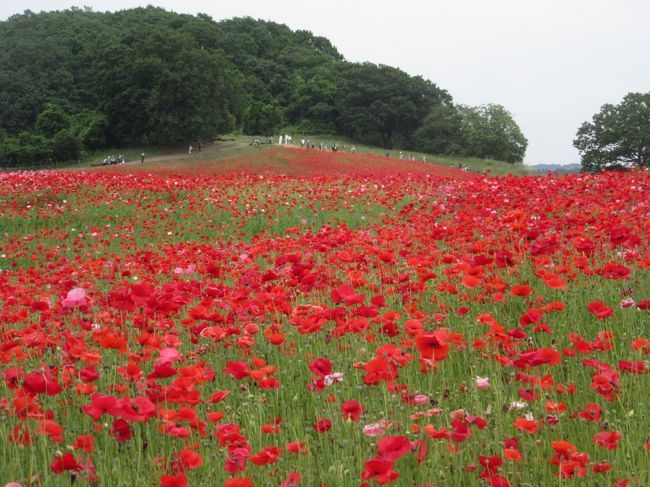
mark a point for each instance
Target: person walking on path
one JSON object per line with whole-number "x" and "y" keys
{"x": 142, "y": 158}
{"x": 190, "y": 149}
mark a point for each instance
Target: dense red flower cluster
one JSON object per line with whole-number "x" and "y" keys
{"x": 362, "y": 319}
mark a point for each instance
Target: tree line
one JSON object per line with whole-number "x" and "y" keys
{"x": 79, "y": 80}
{"x": 618, "y": 136}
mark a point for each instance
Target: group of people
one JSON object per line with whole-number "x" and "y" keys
{"x": 323, "y": 146}
{"x": 257, "y": 141}
{"x": 111, "y": 160}
{"x": 287, "y": 139}
{"x": 121, "y": 159}
{"x": 409, "y": 157}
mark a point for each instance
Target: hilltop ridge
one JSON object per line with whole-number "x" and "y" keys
{"x": 78, "y": 80}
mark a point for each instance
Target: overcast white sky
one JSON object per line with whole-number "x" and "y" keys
{"x": 552, "y": 63}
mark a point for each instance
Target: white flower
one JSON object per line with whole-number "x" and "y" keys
{"x": 332, "y": 378}
{"x": 516, "y": 406}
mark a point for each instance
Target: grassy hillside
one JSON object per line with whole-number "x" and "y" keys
{"x": 237, "y": 146}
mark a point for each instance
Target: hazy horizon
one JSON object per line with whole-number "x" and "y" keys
{"x": 551, "y": 64}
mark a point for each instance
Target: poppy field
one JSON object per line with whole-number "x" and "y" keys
{"x": 322, "y": 319}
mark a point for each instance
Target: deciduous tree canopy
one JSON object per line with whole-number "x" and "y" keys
{"x": 490, "y": 131}
{"x": 617, "y": 136}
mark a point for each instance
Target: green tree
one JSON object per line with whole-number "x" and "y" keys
{"x": 313, "y": 104}
{"x": 159, "y": 86}
{"x": 25, "y": 148}
{"x": 48, "y": 57}
{"x": 382, "y": 105}
{"x": 65, "y": 147}
{"x": 91, "y": 128}
{"x": 52, "y": 120}
{"x": 441, "y": 131}
{"x": 262, "y": 118}
{"x": 617, "y": 136}
{"x": 490, "y": 131}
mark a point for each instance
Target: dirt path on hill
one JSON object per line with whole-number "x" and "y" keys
{"x": 174, "y": 156}
{"x": 208, "y": 148}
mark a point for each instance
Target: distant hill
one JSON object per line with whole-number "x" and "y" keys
{"x": 76, "y": 81}
{"x": 559, "y": 168}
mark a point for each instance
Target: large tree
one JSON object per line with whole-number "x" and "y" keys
{"x": 617, "y": 136}
{"x": 312, "y": 108}
{"x": 382, "y": 105}
{"x": 490, "y": 131}
{"x": 262, "y": 119}
{"x": 441, "y": 131}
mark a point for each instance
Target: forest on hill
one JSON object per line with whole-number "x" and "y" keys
{"x": 79, "y": 80}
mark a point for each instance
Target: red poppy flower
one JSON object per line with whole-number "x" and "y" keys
{"x": 537, "y": 357}
{"x": 321, "y": 367}
{"x": 378, "y": 370}
{"x": 512, "y": 454}
{"x": 101, "y": 404}
{"x": 607, "y": 439}
{"x": 352, "y": 410}
{"x": 393, "y": 447}
{"x": 491, "y": 466}
{"x": 41, "y": 383}
{"x": 65, "y": 462}
{"x": 601, "y": 467}
{"x": 323, "y": 425}
{"x": 600, "y": 310}
{"x": 270, "y": 454}
{"x": 188, "y": 460}
{"x": 591, "y": 412}
{"x": 528, "y": 425}
{"x": 460, "y": 431}
{"x": 433, "y": 346}
{"x": 240, "y": 482}
{"x": 521, "y": 290}
{"x": 85, "y": 443}
{"x": 292, "y": 480}
{"x": 179, "y": 480}
{"x": 239, "y": 370}
{"x": 121, "y": 430}
{"x": 297, "y": 447}
{"x": 380, "y": 469}
{"x": 218, "y": 397}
